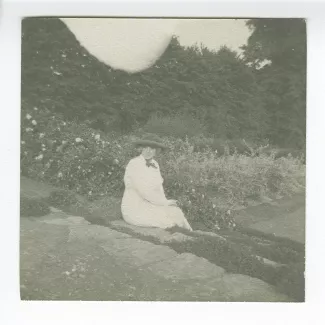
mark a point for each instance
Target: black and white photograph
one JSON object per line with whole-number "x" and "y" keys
{"x": 163, "y": 159}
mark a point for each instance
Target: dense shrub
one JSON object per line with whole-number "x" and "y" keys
{"x": 179, "y": 126}
{"x": 72, "y": 155}
{"x": 222, "y": 146}
{"x": 208, "y": 185}
{"x": 62, "y": 198}
{"x": 33, "y": 207}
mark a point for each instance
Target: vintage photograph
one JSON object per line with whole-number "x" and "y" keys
{"x": 163, "y": 159}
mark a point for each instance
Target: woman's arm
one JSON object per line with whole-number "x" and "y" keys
{"x": 147, "y": 187}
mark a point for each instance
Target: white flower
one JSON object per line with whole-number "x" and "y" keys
{"x": 97, "y": 136}
{"x": 41, "y": 135}
{"x": 40, "y": 157}
{"x": 60, "y": 174}
{"x": 29, "y": 129}
{"x": 34, "y": 122}
{"x": 116, "y": 161}
{"x": 28, "y": 116}
{"x": 90, "y": 192}
{"x": 78, "y": 140}
{"x": 35, "y": 109}
{"x": 43, "y": 145}
{"x": 23, "y": 142}
{"x": 193, "y": 190}
{"x": 83, "y": 65}
{"x": 79, "y": 167}
{"x": 216, "y": 151}
{"x": 43, "y": 149}
{"x": 57, "y": 73}
{"x": 63, "y": 55}
{"x": 64, "y": 123}
{"x": 64, "y": 142}
{"x": 228, "y": 212}
{"x": 214, "y": 206}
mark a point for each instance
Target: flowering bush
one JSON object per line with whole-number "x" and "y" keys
{"x": 72, "y": 156}
{"x": 208, "y": 186}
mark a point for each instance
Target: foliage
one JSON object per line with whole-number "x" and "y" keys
{"x": 71, "y": 155}
{"x": 179, "y": 126}
{"x": 282, "y": 44}
{"x": 30, "y": 207}
{"x": 62, "y": 198}
{"x": 231, "y": 99}
{"x": 209, "y": 187}
{"x": 78, "y": 114}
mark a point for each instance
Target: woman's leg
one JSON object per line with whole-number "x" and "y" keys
{"x": 177, "y": 215}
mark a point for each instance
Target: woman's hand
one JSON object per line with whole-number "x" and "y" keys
{"x": 172, "y": 203}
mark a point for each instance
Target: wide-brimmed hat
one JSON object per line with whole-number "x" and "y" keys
{"x": 150, "y": 140}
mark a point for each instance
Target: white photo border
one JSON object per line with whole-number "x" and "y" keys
{"x": 13, "y": 311}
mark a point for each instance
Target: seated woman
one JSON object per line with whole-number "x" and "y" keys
{"x": 144, "y": 202}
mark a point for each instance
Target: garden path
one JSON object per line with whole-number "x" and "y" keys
{"x": 64, "y": 257}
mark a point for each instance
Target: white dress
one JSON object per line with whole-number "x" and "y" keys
{"x": 144, "y": 202}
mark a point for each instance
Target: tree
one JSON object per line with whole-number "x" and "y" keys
{"x": 276, "y": 50}
{"x": 216, "y": 87}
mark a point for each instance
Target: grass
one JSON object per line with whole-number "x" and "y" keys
{"x": 34, "y": 207}
{"x": 299, "y": 247}
{"x": 99, "y": 212}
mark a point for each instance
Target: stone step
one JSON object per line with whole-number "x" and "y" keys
{"x": 158, "y": 234}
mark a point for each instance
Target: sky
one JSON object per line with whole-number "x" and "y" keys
{"x": 135, "y": 44}
{"x": 213, "y": 32}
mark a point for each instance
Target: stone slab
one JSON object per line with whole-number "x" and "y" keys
{"x": 136, "y": 252}
{"x": 159, "y": 234}
{"x": 187, "y": 266}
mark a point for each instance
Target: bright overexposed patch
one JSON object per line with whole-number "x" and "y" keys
{"x": 128, "y": 44}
